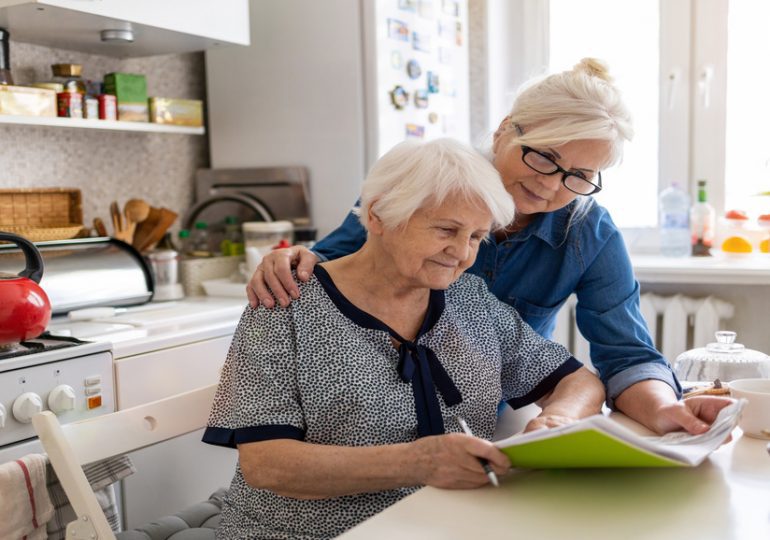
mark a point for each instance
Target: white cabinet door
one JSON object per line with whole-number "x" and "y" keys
{"x": 167, "y": 27}
{"x": 181, "y": 472}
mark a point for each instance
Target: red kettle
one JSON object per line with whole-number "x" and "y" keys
{"x": 24, "y": 307}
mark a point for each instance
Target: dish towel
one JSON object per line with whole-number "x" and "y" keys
{"x": 101, "y": 475}
{"x": 24, "y": 501}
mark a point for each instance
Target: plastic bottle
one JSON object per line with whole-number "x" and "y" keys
{"x": 702, "y": 223}
{"x": 232, "y": 243}
{"x": 184, "y": 241}
{"x": 674, "y": 213}
{"x": 199, "y": 240}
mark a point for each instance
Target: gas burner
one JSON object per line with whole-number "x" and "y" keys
{"x": 44, "y": 342}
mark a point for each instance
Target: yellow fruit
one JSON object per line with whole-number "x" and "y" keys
{"x": 764, "y": 246}
{"x": 736, "y": 244}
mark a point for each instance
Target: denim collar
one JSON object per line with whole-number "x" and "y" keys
{"x": 550, "y": 227}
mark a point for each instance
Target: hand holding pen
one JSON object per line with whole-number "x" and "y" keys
{"x": 484, "y": 463}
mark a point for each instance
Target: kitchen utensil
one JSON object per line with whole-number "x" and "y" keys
{"x": 165, "y": 219}
{"x": 144, "y": 228}
{"x": 101, "y": 230}
{"x": 24, "y": 307}
{"x": 119, "y": 231}
{"x": 136, "y": 211}
{"x": 755, "y": 420}
{"x": 723, "y": 360}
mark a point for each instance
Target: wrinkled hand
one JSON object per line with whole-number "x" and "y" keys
{"x": 273, "y": 276}
{"x": 548, "y": 421}
{"x": 450, "y": 461}
{"x": 695, "y": 415}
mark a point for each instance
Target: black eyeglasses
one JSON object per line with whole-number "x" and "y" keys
{"x": 576, "y": 181}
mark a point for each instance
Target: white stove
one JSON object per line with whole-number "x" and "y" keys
{"x": 74, "y": 379}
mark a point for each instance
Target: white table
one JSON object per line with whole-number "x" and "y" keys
{"x": 726, "y": 497}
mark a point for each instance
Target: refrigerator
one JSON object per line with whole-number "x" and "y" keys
{"x": 333, "y": 85}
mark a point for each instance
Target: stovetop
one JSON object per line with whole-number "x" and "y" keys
{"x": 42, "y": 343}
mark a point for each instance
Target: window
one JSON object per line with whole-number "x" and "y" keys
{"x": 691, "y": 72}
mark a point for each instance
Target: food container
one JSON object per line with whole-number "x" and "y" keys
{"x": 69, "y": 76}
{"x": 70, "y": 104}
{"x": 165, "y": 268}
{"x": 179, "y": 112}
{"x": 764, "y": 223}
{"x": 27, "y": 101}
{"x": 130, "y": 91}
{"x": 108, "y": 107}
{"x": 724, "y": 360}
{"x": 261, "y": 237}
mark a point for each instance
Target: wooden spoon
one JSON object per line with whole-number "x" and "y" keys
{"x": 136, "y": 211}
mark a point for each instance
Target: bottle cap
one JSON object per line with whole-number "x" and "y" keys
{"x": 201, "y": 225}
{"x": 184, "y": 233}
{"x": 268, "y": 226}
{"x": 231, "y": 220}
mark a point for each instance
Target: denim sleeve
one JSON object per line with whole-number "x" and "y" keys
{"x": 609, "y": 317}
{"x": 343, "y": 240}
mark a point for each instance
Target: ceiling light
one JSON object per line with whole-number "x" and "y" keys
{"x": 118, "y": 36}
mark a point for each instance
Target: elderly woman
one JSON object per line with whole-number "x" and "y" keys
{"x": 348, "y": 399}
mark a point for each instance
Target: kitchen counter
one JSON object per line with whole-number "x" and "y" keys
{"x": 726, "y": 497}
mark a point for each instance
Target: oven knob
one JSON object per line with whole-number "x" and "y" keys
{"x": 2, "y": 416}
{"x": 61, "y": 399}
{"x": 26, "y": 406}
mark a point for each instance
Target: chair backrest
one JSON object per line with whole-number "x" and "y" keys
{"x": 72, "y": 445}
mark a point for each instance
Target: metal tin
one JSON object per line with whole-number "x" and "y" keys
{"x": 69, "y": 104}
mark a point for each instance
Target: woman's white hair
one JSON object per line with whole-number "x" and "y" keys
{"x": 414, "y": 175}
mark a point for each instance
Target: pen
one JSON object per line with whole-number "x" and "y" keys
{"x": 484, "y": 463}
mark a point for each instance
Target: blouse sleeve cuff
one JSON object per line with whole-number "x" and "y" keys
{"x": 547, "y": 384}
{"x": 231, "y": 438}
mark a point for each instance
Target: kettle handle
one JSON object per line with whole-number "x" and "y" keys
{"x": 33, "y": 260}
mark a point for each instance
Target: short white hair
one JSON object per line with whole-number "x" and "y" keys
{"x": 415, "y": 174}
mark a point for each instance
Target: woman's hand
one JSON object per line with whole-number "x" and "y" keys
{"x": 695, "y": 415}
{"x": 273, "y": 276}
{"x": 451, "y": 461}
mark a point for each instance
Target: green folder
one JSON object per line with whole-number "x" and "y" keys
{"x": 600, "y": 442}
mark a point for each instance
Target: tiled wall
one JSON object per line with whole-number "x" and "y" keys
{"x": 107, "y": 165}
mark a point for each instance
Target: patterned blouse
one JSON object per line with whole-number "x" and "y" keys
{"x": 325, "y": 372}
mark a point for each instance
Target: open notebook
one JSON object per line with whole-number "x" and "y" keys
{"x": 598, "y": 441}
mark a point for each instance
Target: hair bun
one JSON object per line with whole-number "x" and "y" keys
{"x": 594, "y": 68}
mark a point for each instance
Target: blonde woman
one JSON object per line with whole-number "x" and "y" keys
{"x": 562, "y": 133}
{"x": 348, "y": 399}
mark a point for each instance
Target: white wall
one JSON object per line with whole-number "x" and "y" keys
{"x": 294, "y": 97}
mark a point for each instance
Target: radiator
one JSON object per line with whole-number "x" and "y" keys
{"x": 677, "y": 323}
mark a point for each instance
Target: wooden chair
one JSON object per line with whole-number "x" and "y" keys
{"x": 72, "y": 445}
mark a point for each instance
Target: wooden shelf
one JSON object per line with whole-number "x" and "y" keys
{"x": 719, "y": 269}
{"x": 110, "y": 125}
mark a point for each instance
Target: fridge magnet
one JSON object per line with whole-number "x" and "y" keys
{"x": 413, "y": 69}
{"x": 433, "y": 85}
{"x": 399, "y": 97}
{"x": 450, "y": 7}
{"x": 449, "y": 124}
{"x": 444, "y": 55}
{"x": 459, "y": 34}
{"x": 398, "y": 30}
{"x": 421, "y": 42}
{"x": 425, "y": 9}
{"x": 433, "y": 117}
{"x": 407, "y": 5}
{"x": 396, "y": 60}
{"x": 421, "y": 99}
{"x": 446, "y": 29}
{"x": 415, "y": 130}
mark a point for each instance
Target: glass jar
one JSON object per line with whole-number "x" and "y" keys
{"x": 724, "y": 360}
{"x": 261, "y": 237}
{"x": 69, "y": 76}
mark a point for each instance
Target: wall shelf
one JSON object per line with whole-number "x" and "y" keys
{"x": 719, "y": 269}
{"x": 111, "y": 125}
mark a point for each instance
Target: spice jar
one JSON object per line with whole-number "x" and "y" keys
{"x": 261, "y": 237}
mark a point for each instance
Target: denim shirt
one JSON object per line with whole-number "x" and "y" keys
{"x": 535, "y": 270}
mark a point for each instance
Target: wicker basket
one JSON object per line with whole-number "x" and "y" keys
{"x": 41, "y": 214}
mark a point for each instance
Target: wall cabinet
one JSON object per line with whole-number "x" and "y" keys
{"x": 167, "y": 27}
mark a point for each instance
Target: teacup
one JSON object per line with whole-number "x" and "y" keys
{"x": 755, "y": 420}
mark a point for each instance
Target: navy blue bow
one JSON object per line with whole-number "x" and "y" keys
{"x": 418, "y": 364}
